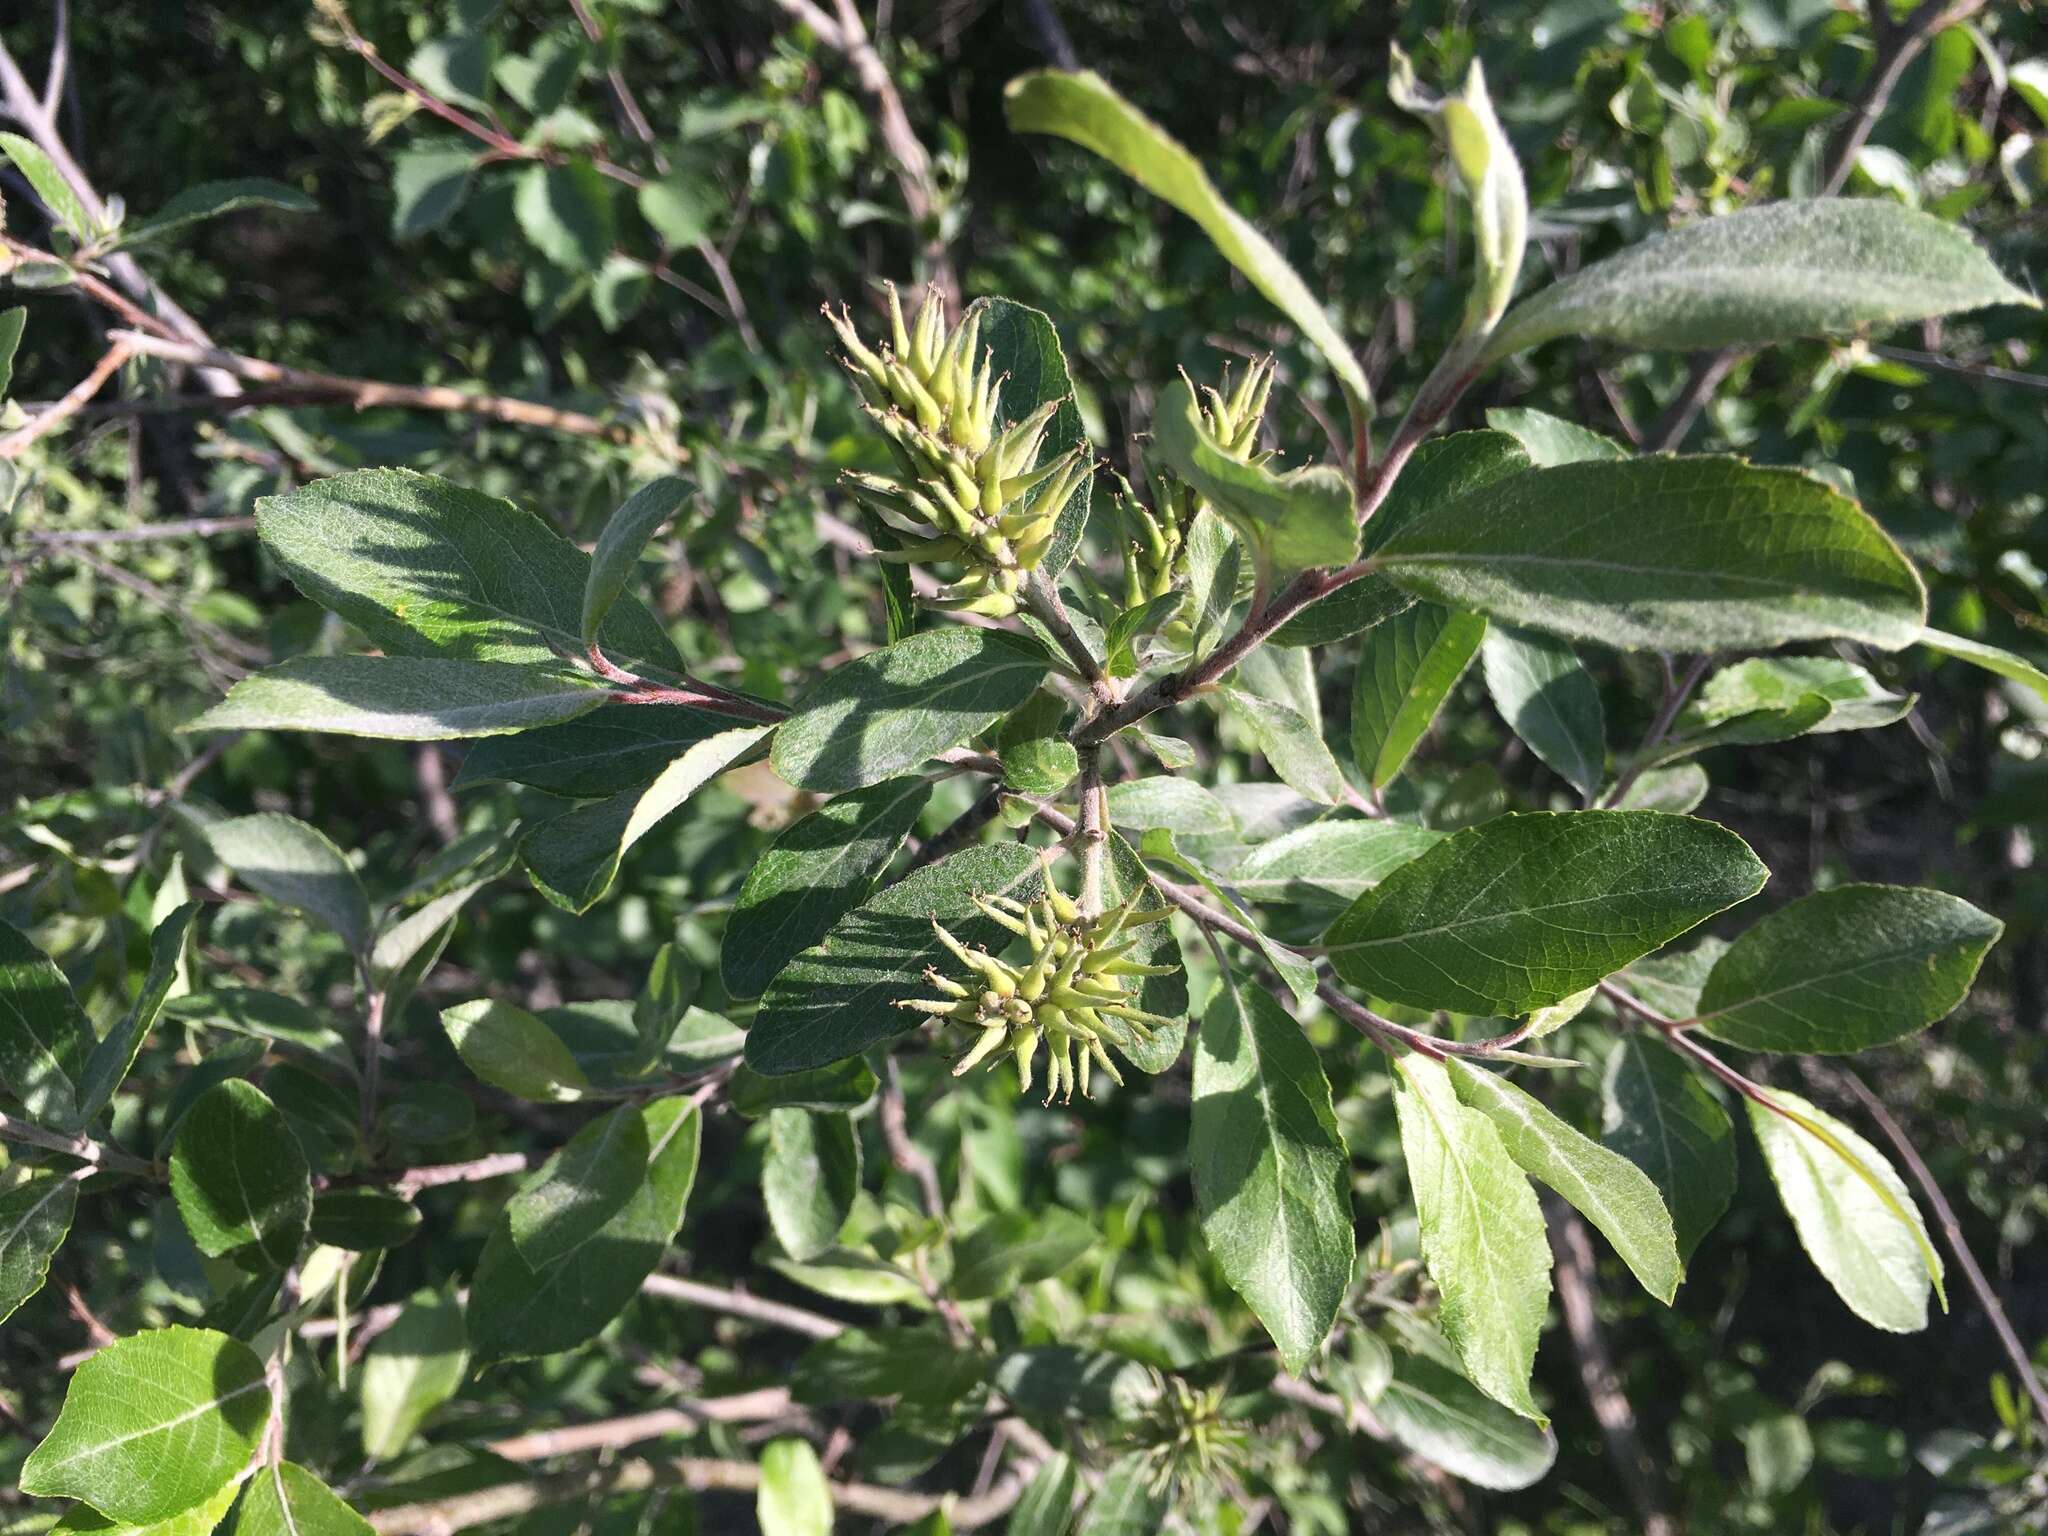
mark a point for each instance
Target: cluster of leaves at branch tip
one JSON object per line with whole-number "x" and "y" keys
{"x": 1069, "y": 994}
{"x": 961, "y": 494}
{"x": 1155, "y": 550}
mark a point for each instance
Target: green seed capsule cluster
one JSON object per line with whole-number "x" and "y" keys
{"x": 1070, "y": 994}
{"x": 1153, "y": 557}
{"x": 962, "y": 492}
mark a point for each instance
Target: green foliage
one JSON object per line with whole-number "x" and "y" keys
{"x": 494, "y": 952}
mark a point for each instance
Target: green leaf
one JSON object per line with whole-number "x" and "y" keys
{"x": 44, "y": 1037}
{"x": 1060, "y": 1382}
{"x": 1292, "y": 522}
{"x": 1605, "y": 1187}
{"x": 1481, "y": 1230}
{"x": 1551, "y": 439}
{"x": 363, "y": 1220}
{"x": 1350, "y": 610}
{"x": 1676, "y": 790}
{"x": 115, "y": 1054}
{"x": 1657, "y": 1113}
{"x": 1763, "y": 275}
{"x": 639, "y": 517}
{"x": 1441, "y": 470}
{"x": 1778, "y": 1452}
{"x": 152, "y": 1425}
{"x": 809, "y": 1179}
{"x": 12, "y": 323}
{"x": 512, "y": 1050}
{"x": 1036, "y": 755}
{"x": 677, "y": 208}
{"x": 794, "y": 1499}
{"x": 35, "y": 1216}
{"x": 1271, "y": 1175}
{"x": 1408, "y": 667}
{"x": 566, "y": 211}
{"x": 580, "y": 1188}
{"x": 1329, "y": 863}
{"x": 426, "y": 567}
{"x": 41, "y": 173}
{"x": 1025, "y": 350}
{"x": 1440, "y": 1416}
{"x": 516, "y": 1311}
{"x": 211, "y": 199}
{"x": 284, "y": 1499}
{"x": 819, "y": 869}
{"x": 239, "y": 1177}
{"x": 296, "y": 866}
{"x": 838, "y": 997}
{"x": 1990, "y": 657}
{"x": 574, "y": 858}
{"x": 1852, "y": 1212}
{"x": 1492, "y": 178}
{"x": 845, "y": 1085}
{"x": 1294, "y": 969}
{"x": 1521, "y": 912}
{"x": 1082, "y": 108}
{"x": 1046, "y": 1507}
{"x": 613, "y": 748}
{"x": 1550, "y": 700}
{"x": 863, "y": 1364}
{"x": 1856, "y": 701}
{"x": 199, "y": 1520}
{"x": 1127, "y": 1502}
{"x": 875, "y": 717}
{"x": 1181, "y": 806}
{"x": 1677, "y": 554}
{"x": 409, "y": 1370}
{"x": 1845, "y": 969}
{"x": 1289, "y": 742}
{"x": 429, "y": 181}
{"x": 414, "y": 940}
{"x": 400, "y": 698}
{"x": 1016, "y": 1248}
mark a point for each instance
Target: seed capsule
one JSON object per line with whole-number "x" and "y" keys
{"x": 963, "y": 493}
{"x": 1074, "y": 994}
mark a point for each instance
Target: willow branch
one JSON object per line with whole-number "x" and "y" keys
{"x": 367, "y": 394}
{"x": 109, "y": 364}
{"x": 441, "y": 1517}
{"x": 95, "y": 1155}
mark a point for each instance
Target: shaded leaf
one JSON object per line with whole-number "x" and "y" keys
{"x": 1852, "y": 1212}
{"x": 817, "y": 870}
{"x": 1521, "y": 912}
{"x": 1605, "y": 1187}
{"x": 1550, "y": 700}
{"x": 1846, "y": 969}
{"x": 809, "y": 1179}
{"x": 400, "y": 698}
{"x": 1271, "y": 1174}
{"x": 239, "y": 1176}
{"x": 1766, "y": 274}
{"x": 838, "y": 997}
{"x": 152, "y": 1425}
{"x": 1684, "y": 554}
{"x": 1081, "y": 107}
{"x": 575, "y": 857}
{"x": 1482, "y": 1233}
{"x": 297, "y": 866}
{"x": 877, "y": 716}
{"x": 1406, "y": 669}
{"x": 1658, "y": 1114}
